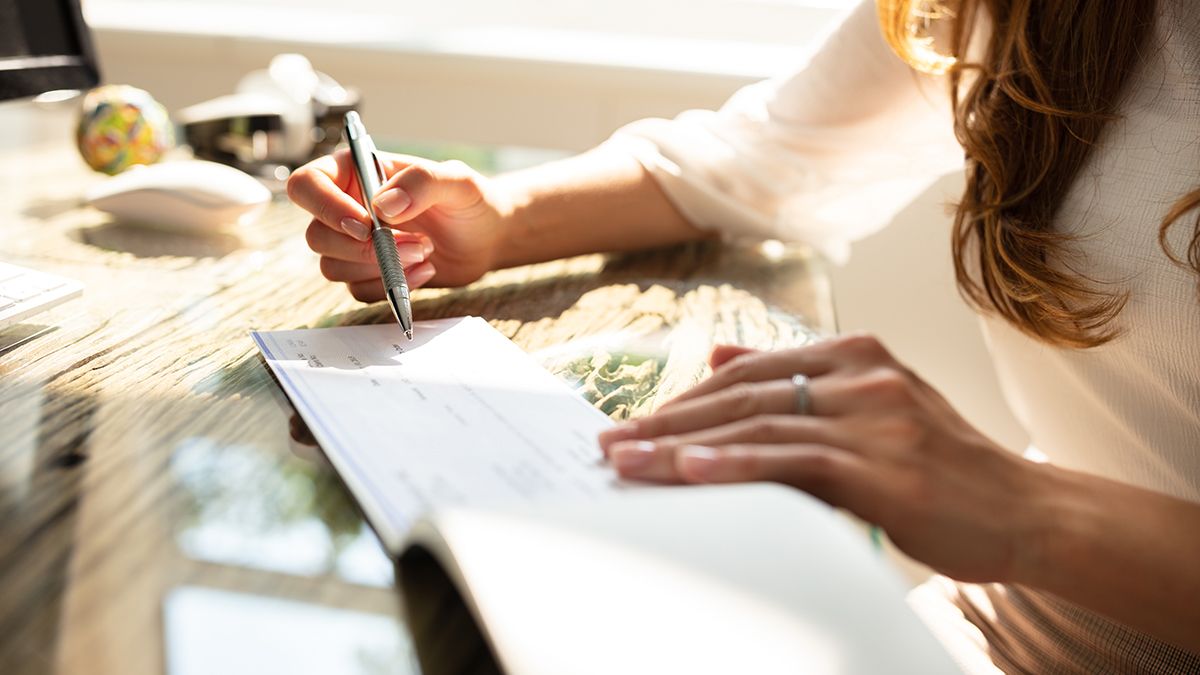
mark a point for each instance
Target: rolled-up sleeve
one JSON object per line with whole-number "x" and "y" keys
{"x": 826, "y": 155}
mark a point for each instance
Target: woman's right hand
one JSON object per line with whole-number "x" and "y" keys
{"x": 448, "y": 220}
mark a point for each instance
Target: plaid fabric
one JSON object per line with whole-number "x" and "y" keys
{"x": 996, "y": 628}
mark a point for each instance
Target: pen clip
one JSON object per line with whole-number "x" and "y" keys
{"x": 378, "y": 167}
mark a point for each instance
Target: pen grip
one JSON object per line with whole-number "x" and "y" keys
{"x": 389, "y": 261}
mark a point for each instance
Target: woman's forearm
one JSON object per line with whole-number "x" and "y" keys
{"x": 1125, "y": 552}
{"x": 602, "y": 200}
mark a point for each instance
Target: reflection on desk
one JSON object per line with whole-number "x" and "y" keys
{"x": 211, "y": 631}
{"x": 240, "y": 508}
{"x": 150, "y": 497}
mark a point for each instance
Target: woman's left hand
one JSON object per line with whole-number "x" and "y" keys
{"x": 877, "y": 441}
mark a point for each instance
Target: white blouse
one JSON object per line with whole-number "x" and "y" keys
{"x": 829, "y": 153}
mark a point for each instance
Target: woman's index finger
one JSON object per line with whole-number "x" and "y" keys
{"x": 328, "y": 189}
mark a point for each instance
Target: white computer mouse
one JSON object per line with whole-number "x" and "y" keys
{"x": 185, "y": 195}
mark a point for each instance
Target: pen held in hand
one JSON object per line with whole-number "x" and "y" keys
{"x": 369, "y": 171}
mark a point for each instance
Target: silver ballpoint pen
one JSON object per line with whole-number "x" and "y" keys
{"x": 370, "y": 179}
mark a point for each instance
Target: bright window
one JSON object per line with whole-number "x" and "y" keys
{"x": 559, "y": 74}
{"x": 755, "y": 21}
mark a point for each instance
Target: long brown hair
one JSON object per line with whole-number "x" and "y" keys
{"x": 1029, "y": 109}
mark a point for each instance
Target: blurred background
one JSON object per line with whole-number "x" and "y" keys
{"x": 521, "y": 73}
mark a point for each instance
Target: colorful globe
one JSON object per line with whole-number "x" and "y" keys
{"x": 120, "y": 126}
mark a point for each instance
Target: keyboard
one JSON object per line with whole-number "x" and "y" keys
{"x": 25, "y": 292}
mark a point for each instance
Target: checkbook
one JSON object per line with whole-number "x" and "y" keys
{"x": 518, "y": 550}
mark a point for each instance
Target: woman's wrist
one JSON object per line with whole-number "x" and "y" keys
{"x": 511, "y": 199}
{"x": 1058, "y": 518}
{"x": 1116, "y": 549}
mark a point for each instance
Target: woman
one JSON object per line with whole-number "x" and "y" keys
{"x": 1075, "y": 238}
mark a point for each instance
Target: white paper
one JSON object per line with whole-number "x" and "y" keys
{"x": 458, "y": 416}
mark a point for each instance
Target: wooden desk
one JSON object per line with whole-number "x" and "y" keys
{"x": 154, "y": 513}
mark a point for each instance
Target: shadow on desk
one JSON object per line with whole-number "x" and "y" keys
{"x": 39, "y": 497}
{"x": 45, "y": 209}
{"x": 145, "y": 242}
{"x": 549, "y": 290}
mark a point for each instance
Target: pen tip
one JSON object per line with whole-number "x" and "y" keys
{"x": 408, "y": 333}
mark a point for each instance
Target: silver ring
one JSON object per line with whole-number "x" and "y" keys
{"x": 803, "y": 400}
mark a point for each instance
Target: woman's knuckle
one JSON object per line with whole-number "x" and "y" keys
{"x": 888, "y": 384}
{"x": 769, "y": 429}
{"x": 418, "y": 175}
{"x": 822, "y": 468}
{"x": 738, "y": 368}
{"x": 457, "y": 168}
{"x": 650, "y": 427}
{"x": 741, "y": 461}
{"x": 667, "y": 441}
{"x": 740, "y": 400}
{"x": 866, "y": 346}
{"x": 299, "y": 181}
{"x": 328, "y": 268}
{"x": 325, "y": 211}
{"x": 312, "y": 235}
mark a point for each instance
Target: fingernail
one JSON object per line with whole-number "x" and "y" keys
{"x": 697, "y": 461}
{"x": 633, "y": 457}
{"x": 355, "y": 229}
{"x": 393, "y": 202}
{"x": 427, "y": 247}
{"x": 621, "y": 432}
{"x": 422, "y": 274}
{"x": 410, "y": 254}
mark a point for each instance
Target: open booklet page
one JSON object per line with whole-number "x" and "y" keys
{"x": 458, "y": 416}
{"x": 751, "y": 578}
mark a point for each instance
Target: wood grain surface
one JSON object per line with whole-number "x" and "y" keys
{"x": 155, "y": 513}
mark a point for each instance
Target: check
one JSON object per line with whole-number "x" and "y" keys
{"x": 460, "y": 416}
{"x": 480, "y": 472}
